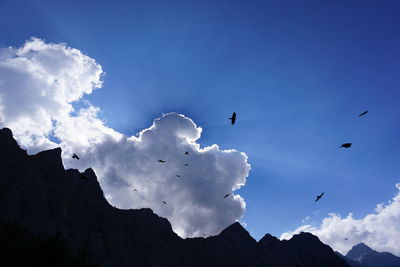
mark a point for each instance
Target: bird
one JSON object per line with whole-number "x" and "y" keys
{"x": 178, "y": 175}
{"x": 162, "y": 161}
{"x": 135, "y": 190}
{"x": 226, "y": 195}
{"x": 233, "y": 118}
{"x": 186, "y": 153}
{"x": 346, "y": 239}
{"x": 362, "y": 114}
{"x": 186, "y": 164}
{"x": 345, "y": 145}
{"x": 319, "y": 197}
{"x": 74, "y": 156}
{"x": 165, "y": 203}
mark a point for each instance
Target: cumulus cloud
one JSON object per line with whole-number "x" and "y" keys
{"x": 39, "y": 84}
{"x": 379, "y": 230}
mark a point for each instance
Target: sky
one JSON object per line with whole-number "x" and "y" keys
{"x": 127, "y": 82}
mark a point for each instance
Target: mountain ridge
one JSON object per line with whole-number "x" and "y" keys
{"x": 38, "y": 195}
{"x": 362, "y": 255}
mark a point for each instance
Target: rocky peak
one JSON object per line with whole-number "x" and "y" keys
{"x": 269, "y": 241}
{"x": 8, "y": 146}
{"x": 50, "y": 162}
{"x": 236, "y": 232}
{"x": 6, "y": 139}
{"x": 358, "y": 251}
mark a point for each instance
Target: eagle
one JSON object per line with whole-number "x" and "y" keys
{"x": 319, "y": 197}
{"x": 345, "y": 145}
{"x": 362, "y": 114}
{"x": 233, "y": 118}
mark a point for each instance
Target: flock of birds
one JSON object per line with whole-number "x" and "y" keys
{"x": 233, "y": 121}
{"x": 345, "y": 145}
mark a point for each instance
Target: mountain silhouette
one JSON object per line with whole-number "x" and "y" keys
{"x": 363, "y": 256}
{"x": 50, "y": 216}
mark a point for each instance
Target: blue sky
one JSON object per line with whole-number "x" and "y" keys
{"x": 297, "y": 74}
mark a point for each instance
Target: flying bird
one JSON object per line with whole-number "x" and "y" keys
{"x": 178, "y": 175}
{"x": 345, "y": 145}
{"x": 319, "y": 197}
{"x": 226, "y": 195}
{"x": 135, "y": 190}
{"x": 233, "y": 118}
{"x": 74, "y": 156}
{"x": 362, "y": 114}
{"x": 346, "y": 239}
{"x": 186, "y": 153}
{"x": 162, "y": 161}
{"x": 186, "y": 164}
{"x": 165, "y": 203}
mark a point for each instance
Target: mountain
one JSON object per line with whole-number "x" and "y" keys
{"x": 363, "y": 256}
{"x": 50, "y": 216}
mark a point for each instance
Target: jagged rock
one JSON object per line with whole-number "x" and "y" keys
{"x": 38, "y": 195}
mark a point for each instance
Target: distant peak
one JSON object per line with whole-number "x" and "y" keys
{"x": 363, "y": 246}
{"x": 358, "y": 251}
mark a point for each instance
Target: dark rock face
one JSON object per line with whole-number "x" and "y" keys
{"x": 363, "y": 256}
{"x": 304, "y": 249}
{"x": 57, "y": 206}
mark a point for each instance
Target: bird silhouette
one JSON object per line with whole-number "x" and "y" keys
{"x": 186, "y": 153}
{"x": 74, "y": 156}
{"x": 135, "y": 190}
{"x": 162, "y": 161}
{"x": 319, "y": 197}
{"x": 178, "y": 175}
{"x": 186, "y": 164}
{"x": 165, "y": 203}
{"x": 346, "y": 239}
{"x": 226, "y": 195}
{"x": 233, "y": 118}
{"x": 362, "y": 114}
{"x": 345, "y": 145}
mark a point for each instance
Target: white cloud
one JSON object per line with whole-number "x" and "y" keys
{"x": 39, "y": 82}
{"x": 195, "y": 204}
{"x": 379, "y": 230}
